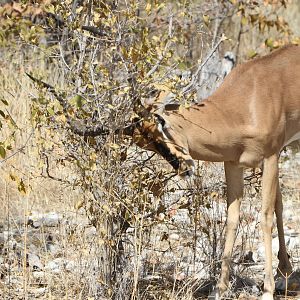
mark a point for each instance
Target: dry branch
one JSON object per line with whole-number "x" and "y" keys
{"x": 75, "y": 126}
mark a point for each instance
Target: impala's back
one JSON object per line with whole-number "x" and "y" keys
{"x": 267, "y": 93}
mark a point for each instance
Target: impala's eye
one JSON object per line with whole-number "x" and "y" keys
{"x": 153, "y": 93}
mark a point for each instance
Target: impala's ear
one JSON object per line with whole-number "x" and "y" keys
{"x": 156, "y": 98}
{"x": 155, "y": 101}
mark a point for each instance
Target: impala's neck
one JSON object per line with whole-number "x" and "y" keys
{"x": 210, "y": 130}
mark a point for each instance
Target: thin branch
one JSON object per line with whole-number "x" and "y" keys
{"x": 195, "y": 76}
{"x": 48, "y": 171}
{"x": 170, "y": 34}
{"x": 94, "y": 30}
{"x": 75, "y": 126}
{"x": 21, "y": 149}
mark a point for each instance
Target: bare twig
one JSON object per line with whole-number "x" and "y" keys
{"x": 21, "y": 149}
{"x": 94, "y": 30}
{"x": 191, "y": 85}
{"x": 170, "y": 34}
{"x": 48, "y": 171}
{"x": 76, "y": 127}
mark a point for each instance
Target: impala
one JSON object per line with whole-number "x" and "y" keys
{"x": 245, "y": 123}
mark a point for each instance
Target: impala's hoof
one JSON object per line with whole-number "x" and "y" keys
{"x": 267, "y": 296}
{"x": 215, "y": 295}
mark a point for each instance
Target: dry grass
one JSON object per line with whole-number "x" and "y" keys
{"x": 172, "y": 259}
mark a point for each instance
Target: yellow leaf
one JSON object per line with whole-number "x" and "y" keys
{"x": 296, "y": 41}
{"x": 21, "y": 187}
{"x": 79, "y": 204}
{"x": 148, "y": 8}
{"x": 134, "y": 55}
{"x": 13, "y": 177}
{"x": 111, "y": 106}
{"x": 79, "y": 9}
{"x": 160, "y": 6}
{"x": 50, "y": 111}
{"x": 244, "y": 21}
{"x": 105, "y": 208}
{"x": 114, "y": 146}
{"x": 252, "y": 53}
{"x": 50, "y": 8}
{"x": 269, "y": 43}
{"x": 206, "y": 19}
{"x": 2, "y": 151}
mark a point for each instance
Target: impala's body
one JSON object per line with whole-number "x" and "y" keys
{"x": 245, "y": 123}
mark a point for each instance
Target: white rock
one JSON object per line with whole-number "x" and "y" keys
{"x": 70, "y": 266}
{"x": 38, "y": 274}
{"x": 34, "y": 261}
{"x": 51, "y": 219}
{"x": 174, "y": 237}
{"x": 39, "y": 291}
{"x": 52, "y": 266}
{"x": 52, "y": 248}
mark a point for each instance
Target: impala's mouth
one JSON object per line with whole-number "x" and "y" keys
{"x": 187, "y": 168}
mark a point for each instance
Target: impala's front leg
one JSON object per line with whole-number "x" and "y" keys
{"x": 234, "y": 179}
{"x": 284, "y": 268}
{"x": 269, "y": 194}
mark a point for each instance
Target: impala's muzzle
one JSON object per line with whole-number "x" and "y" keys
{"x": 184, "y": 167}
{"x": 167, "y": 155}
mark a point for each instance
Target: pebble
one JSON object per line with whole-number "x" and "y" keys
{"x": 52, "y": 248}
{"x": 174, "y": 237}
{"x": 51, "y": 219}
{"x": 34, "y": 261}
{"x": 39, "y": 291}
{"x": 52, "y": 266}
{"x": 38, "y": 274}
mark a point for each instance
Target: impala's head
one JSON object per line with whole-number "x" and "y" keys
{"x": 163, "y": 134}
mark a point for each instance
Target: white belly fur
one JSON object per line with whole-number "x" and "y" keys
{"x": 293, "y": 138}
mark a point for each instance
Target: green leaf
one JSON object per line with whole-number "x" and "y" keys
{"x": 269, "y": 43}
{"x": 50, "y": 111}
{"x": 2, "y": 152}
{"x": 252, "y": 53}
{"x": 77, "y": 101}
{"x": 244, "y": 21}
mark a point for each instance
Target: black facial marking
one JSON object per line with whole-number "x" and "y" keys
{"x": 165, "y": 152}
{"x": 161, "y": 120}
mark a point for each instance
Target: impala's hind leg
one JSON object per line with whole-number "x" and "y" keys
{"x": 269, "y": 197}
{"x": 234, "y": 179}
{"x": 284, "y": 266}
